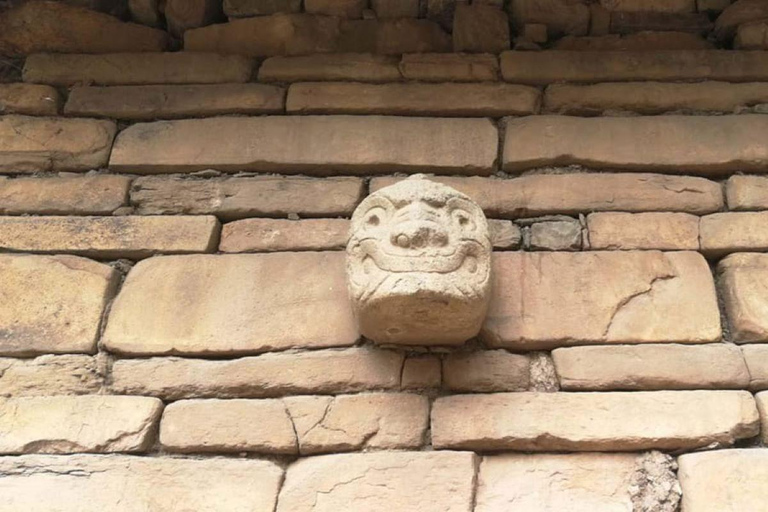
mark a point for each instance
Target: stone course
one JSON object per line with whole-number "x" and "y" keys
{"x": 90, "y": 194}
{"x": 358, "y": 67}
{"x": 50, "y": 375}
{"x": 450, "y": 67}
{"x": 269, "y": 235}
{"x": 630, "y": 231}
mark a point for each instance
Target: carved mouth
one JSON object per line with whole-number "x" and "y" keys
{"x": 464, "y": 256}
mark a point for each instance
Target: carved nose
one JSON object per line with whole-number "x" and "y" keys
{"x": 418, "y": 235}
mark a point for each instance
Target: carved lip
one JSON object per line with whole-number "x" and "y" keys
{"x": 425, "y": 261}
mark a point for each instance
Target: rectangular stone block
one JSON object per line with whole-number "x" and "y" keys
{"x": 762, "y": 406}
{"x": 742, "y": 281}
{"x": 723, "y": 233}
{"x": 130, "y": 237}
{"x": 50, "y": 375}
{"x": 422, "y": 372}
{"x": 756, "y": 357}
{"x": 641, "y": 420}
{"x": 547, "y": 300}
{"x": 691, "y": 144}
{"x": 119, "y": 483}
{"x": 98, "y": 194}
{"x": 629, "y": 231}
{"x": 35, "y": 144}
{"x": 353, "y": 67}
{"x": 636, "y": 22}
{"x": 52, "y": 304}
{"x": 486, "y": 371}
{"x": 269, "y": 235}
{"x": 70, "y": 424}
{"x": 345, "y": 144}
{"x": 29, "y": 99}
{"x": 747, "y": 192}
{"x": 450, "y": 67}
{"x": 674, "y": 6}
{"x": 248, "y": 8}
{"x": 651, "y": 367}
{"x": 233, "y": 304}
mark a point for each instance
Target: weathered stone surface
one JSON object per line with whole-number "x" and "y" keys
{"x": 421, "y": 372}
{"x": 340, "y": 8}
{"x": 145, "y": 12}
{"x": 359, "y": 67}
{"x": 737, "y": 14}
{"x": 69, "y": 424}
{"x": 130, "y": 237}
{"x": 393, "y": 36}
{"x": 270, "y": 235}
{"x": 762, "y": 406}
{"x": 637, "y": 297}
{"x": 756, "y": 357}
{"x": 504, "y": 234}
{"x": 148, "y": 102}
{"x": 137, "y": 69}
{"x": 441, "y": 11}
{"x": 29, "y": 99}
{"x": 724, "y": 480}
{"x": 247, "y": 8}
{"x": 486, "y": 371}
{"x": 480, "y": 28}
{"x": 43, "y": 26}
{"x": 182, "y": 15}
{"x": 752, "y": 36}
{"x": 661, "y": 143}
{"x": 52, "y": 304}
{"x": 747, "y": 192}
{"x": 640, "y": 420}
{"x": 98, "y": 194}
{"x": 723, "y": 233}
{"x": 629, "y": 231}
{"x": 413, "y": 99}
{"x": 233, "y": 304}
{"x": 50, "y": 375}
{"x": 652, "y": 97}
{"x": 377, "y": 482}
{"x": 450, "y": 67}
{"x": 712, "y": 6}
{"x": 560, "y": 16}
{"x": 314, "y": 372}
{"x": 237, "y": 198}
{"x": 557, "y": 235}
{"x": 31, "y": 144}
{"x": 645, "y": 41}
{"x": 633, "y": 22}
{"x": 540, "y": 68}
{"x": 743, "y": 279}
{"x": 674, "y": 6}
{"x": 651, "y": 367}
{"x": 339, "y": 144}
{"x": 395, "y": 8}
{"x": 93, "y": 483}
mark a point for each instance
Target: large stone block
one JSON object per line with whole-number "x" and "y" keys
{"x": 723, "y": 233}
{"x": 182, "y": 15}
{"x": 752, "y": 36}
{"x": 248, "y": 8}
{"x": 358, "y": 67}
{"x": 674, "y": 6}
{"x": 29, "y": 99}
{"x": 560, "y": 16}
{"x": 747, "y": 192}
{"x": 98, "y": 194}
{"x": 743, "y": 282}
{"x": 756, "y": 357}
{"x": 340, "y": 8}
{"x": 480, "y": 28}
{"x": 271, "y": 235}
{"x": 653, "y": 230}
{"x": 393, "y": 36}
{"x": 644, "y": 41}
{"x": 641, "y": 420}
{"x": 486, "y": 371}
{"x": 738, "y": 14}
{"x": 450, "y": 67}
{"x": 338, "y": 144}
{"x": 50, "y": 375}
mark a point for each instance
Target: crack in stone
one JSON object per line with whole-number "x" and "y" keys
{"x": 626, "y": 301}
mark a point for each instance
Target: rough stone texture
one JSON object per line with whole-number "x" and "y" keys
{"x": 315, "y": 372}
{"x": 393, "y": 36}
{"x": 674, "y": 6}
{"x": 725, "y": 480}
{"x": 130, "y": 237}
{"x": 50, "y": 375}
{"x": 756, "y": 357}
{"x": 43, "y": 26}
{"x": 233, "y": 304}
{"x": 543, "y": 374}
{"x": 52, "y": 304}
{"x": 480, "y": 29}
{"x": 413, "y": 99}
{"x": 662, "y": 143}
{"x": 652, "y": 97}
{"x": 560, "y": 16}
{"x": 540, "y": 68}
{"x": 32, "y": 144}
{"x": 237, "y": 198}
{"x": 486, "y": 371}
{"x": 97, "y": 194}
{"x": 340, "y": 8}
{"x": 600, "y": 298}
{"x": 629, "y": 231}
{"x": 747, "y": 192}
{"x": 379, "y": 482}
{"x": 395, "y": 8}
{"x": 358, "y": 67}
{"x": 505, "y": 234}
{"x": 269, "y": 235}
{"x": 632, "y": 22}
{"x": 713, "y": 6}
{"x": 137, "y": 69}
{"x": 450, "y": 67}
{"x": 29, "y": 99}
{"x": 762, "y": 406}
{"x": 247, "y": 8}
{"x": 339, "y": 144}
{"x": 743, "y": 279}
{"x": 68, "y": 424}
{"x": 558, "y": 235}
{"x": 640, "y": 420}
{"x": 723, "y": 233}
{"x": 148, "y": 102}
{"x": 441, "y": 11}
{"x": 421, "y": 372}
{"x": 737, "y": 14}
{"x": 651, "y": 367}
{"x": 644, "y": 41}
{"x": 93, "y": 483}
{"x": 182, "y": 15}
{"x": 752, "y": 36}
{"x": 145, "y": 12}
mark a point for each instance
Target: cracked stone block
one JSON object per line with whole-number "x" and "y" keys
{"x": 743, "y": 279}
{"x": 747, "y": 192}
{"x": 486, "y": 371}
{"x": 270, "y": 235}
{"x": 643, "y": 231}
{"x": 97, "y": 194}
{"x": 352, "y": 67}
{"x": 723, "y": 233}
{"x": 421, "y": 372}
{"x": 29, "y": 99}
{"x": 756, "y": 357}
{"x": 50, "y": 375}
{"x": 450, "y": 67}
{"x": 562, "y": 235}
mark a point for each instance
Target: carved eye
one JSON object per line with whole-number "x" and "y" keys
{"x": 373, "y": 220}
{"x": 375, "y": 217}
{"x": 464, "y": 219}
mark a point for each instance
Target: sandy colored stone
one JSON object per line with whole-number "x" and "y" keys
{"x": 69, "y": 424}
{"x": 756, "y": 357}
{"x": 743, "y": 280}
{"x": 479, "y": 28}
{"x": 232, "y": 304}
{"x": 393, "y": 36}
{"x": 600, "y": 298}
{"x": 640, "y": 420}
{"x": 661, "y": 143}
{"x": 644, "y": 41}
{"x": 486, "y": 371}
{"x": 651, "y": 367}
{"x": 504, "y": 234}
{"x": 380, "y": 482}
{"x": 247, "y": 8}
{"x": 50, "y": 375}
{"x": 149, "y": 102}
{"x": 237, "y": 198}
{"x": 747, "y": 192}
{"x": 723, "y": 233}
{"x": 556, "y": 235}
{"x": 752, "y": 36}
{"x": 395, "y": 8}
{"x": 29, "y": 99}
{"x": 182, "y": 15}
{"x": 93, "y": 483}
{"x": 673, "y": 6}
{"x": 98, "y": 194}
{"x": 560, "y": 16}
{"x": 358, "y": 67}
{"x": 422, "y": 372}
{"x": 137, "y": 69}
{"x": 652, "y": 230}
{"x": 340, "y": 8}
{"x": 269, "y": 235}
{"x": 413, "y": 99}
{"x": 737, "y": 14}
{"x": 52, "y": 304}
{"x": 724, "y": 480}
{"x": 33, "y": 144}
{"x": 450, "y": 67}
{"x": 339, "y": 144}
{"x": 762, "y": 406}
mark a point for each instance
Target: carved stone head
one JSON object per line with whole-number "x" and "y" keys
{"x": 419, "y": 264}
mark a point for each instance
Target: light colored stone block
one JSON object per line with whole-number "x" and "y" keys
{"x": 269, "y": 235}
{"x": 486, "y": 371}
{"x": 756, "y": 357}
{"x": 747, "y": 192}
{"x": 29, "y": 99}
{"x": 630, "y": 231}
{"x": 762, "y": 406}
{"x": 98, "y": 194}
{"x": 743, "y": 279}
{"x": 50, "y": 375}
{"x": 723, "y": 233}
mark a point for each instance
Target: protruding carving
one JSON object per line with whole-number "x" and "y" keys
{"x": 418, "y": 264}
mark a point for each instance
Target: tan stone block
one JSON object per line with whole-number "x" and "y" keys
{"x": 251, "y": 303}
{"x": 52, "y": 304}
{"x": 421, "y": 372}
{"x": 137, "y": 69}
{"x": 236, "y": 198}
{"x": 50, "y": 375}
{"x": 248, "y": 8}
{"x": 673, "y": 6}
{"x": 756, "y": 357}
{"x": 560, "y": 16}
{"x": 99, "y": 194}
{"x": 33, "y": 144}
{"x": 393, "y": 36}
{"x": 29, "y": 99}
{"x": 743, "y": 279}
{"x": 340, "y": 8}
{"x": 762, "y": 406}
{"x": 413, "y": 99}
{"x": 395, "y": 8}
{"x": 377, "y": 482}
{"x": 629, "y": 231}
{"x": 724, "y": 480}
{"x": 651, "y": 367}
{"x": 92, "y": 483}
{"x": 339, "y": 144}
{"x": 148, "y": 102}
{"x": 737, "y": 14}
{"x": 269, "y": 235}
{"x": 723, "y": 233}
{"x": 450, "y": 67}
{"x": 600, "y": 298}
{"x": 504, "y": 234}
{"x": 556, "y": 235}
{"x": 480, "y": 28}
{"x": 747, "y": 192}
{"x": 640, "y": 420}
{"x": 645, "y": 41}
{"x": 181, "y": 15}
{"x": 358, "y": 67}
{"x": 752, "y": 36}
{"x": 68, "y": 424}
{"x": 313, "y": 372}
{"x": 486, "y": 371}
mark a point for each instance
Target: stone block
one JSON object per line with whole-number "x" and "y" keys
{"x": 714, "y": 6}
{"x": 393, "y": 36}
{"x": 29, "y": 99}
{"x": 535, "y": 33}
{"x": 674, "y": 6}
{"x": 441, "y": 11}
{"x": 341, "y": 8}
{"x": 486, "y": 371}
{"x": 505, "y": 234}
{"x": 762, "y": 406}
{"x": 643, "y": 41}
{"x": 556, "y": 235}
{"x": 652, "y": 230}
{"x": 756, "y": 357}
{"x": 723, "y": 233}
{"x": 145, "y": 12}
{"x": 422, "y": 372}
{"x": 248, "y": 8}
{"x": 450, "y": 67}
{"x": 182, "y": 15}
{"x": 743, "y": 279}
{"x": 97, "y": 194}
{"x": 747, "y": 192}
{"x": 357, "y": 67}
{"x": 737, "y": 14}
{"x": 633, "y": 22}
{"x": 270, "y": 235}
{"x": 50, "y": 375}
{"x": 480, "y": 28}
{"x": 395, "y": 8}
{"x": 561, "y": 17}
{"x": 752, "y": 36}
